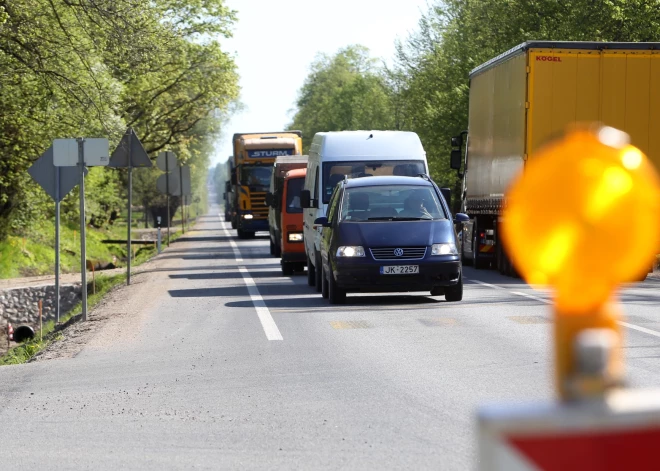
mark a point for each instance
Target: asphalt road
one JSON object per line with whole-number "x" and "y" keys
{"x": 229, "y": 365}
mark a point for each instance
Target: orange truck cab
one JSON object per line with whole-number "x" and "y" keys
{"x": 286, "y": 215}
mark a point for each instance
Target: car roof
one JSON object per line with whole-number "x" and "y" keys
{"x": 386, "y": 180}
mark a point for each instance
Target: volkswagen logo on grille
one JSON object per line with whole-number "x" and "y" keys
{"x": 398, "y": 252}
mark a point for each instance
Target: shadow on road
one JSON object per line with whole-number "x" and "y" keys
{"x": 226, "y": 275}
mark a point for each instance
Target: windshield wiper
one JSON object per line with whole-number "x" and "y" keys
{"x": 412, "y": 219}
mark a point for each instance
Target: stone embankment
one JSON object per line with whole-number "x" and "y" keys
{"x": 20, "y": 306}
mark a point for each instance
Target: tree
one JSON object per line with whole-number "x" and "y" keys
{"x": 342, "y": 92}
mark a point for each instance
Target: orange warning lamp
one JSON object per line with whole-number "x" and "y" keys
{"x": 583, "y": 218}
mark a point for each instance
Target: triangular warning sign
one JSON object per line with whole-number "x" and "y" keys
{"x": 615, "y": 450}
{"x": 130, "y": 147}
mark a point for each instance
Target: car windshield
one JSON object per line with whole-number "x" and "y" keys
{"x": 391, "y": 203}
{"x": 334, "y": 172}
{"x": 294, "y": 187}
{"x": 256, "y": 176}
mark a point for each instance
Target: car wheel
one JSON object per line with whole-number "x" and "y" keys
{"x": 227, "y": 217}
{"x": 454, "y": 293}
{"x": 287, "y": 269}
{"x": 311, "y": 274}
{"x": 336, "y": 295}
{"x": 233, "y": 223}
{"x": 325, "y": 288}
{"x": 272, "y": 246}
{"x": 438, "y": 291}
{"x": 278, "y": 249}
{"x": 241, "y": 234}
{"x": 319, "y": 270}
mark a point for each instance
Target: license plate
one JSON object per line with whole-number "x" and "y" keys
{"x": 400, "y": 270}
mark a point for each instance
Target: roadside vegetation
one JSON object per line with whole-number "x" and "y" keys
{"x": 93, "y": 69}
{"x": 424, "y": 88}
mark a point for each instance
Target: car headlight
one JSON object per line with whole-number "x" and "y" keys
{"x": 247, "y": 216}
{"x": 444, "y": 249}
{"x": 350, "y": 251}
{"x": 295, "y": 236}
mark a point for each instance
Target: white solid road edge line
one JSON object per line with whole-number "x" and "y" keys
{"x": 545, "y": 301}
{"x": 267, "y": 321}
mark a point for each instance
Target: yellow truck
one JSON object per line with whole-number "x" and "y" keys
{"x": 523, "y": 97}
{"x": 254, "y": 155}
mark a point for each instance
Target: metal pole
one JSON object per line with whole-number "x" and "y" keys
{"x": 83, "y": 254}
{"x": 130, "y": 208}
{"x": 57, "y": 244}
{"x": 183, "y": 224}
{"x": 167, "y": 192}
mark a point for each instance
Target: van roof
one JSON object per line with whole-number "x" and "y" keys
{"x": 291, "y": 159}
{"x": 384, "y": 145}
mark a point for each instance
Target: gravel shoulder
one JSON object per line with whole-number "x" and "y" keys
{"x": 118, "y": 317}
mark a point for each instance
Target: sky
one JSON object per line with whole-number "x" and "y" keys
{"x": 275, "y": 42}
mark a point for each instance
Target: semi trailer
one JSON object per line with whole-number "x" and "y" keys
{"x": 525, "y": 96}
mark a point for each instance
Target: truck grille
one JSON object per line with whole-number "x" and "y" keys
{"x": 409, "y": 253}
{"x": 258, "y": 203}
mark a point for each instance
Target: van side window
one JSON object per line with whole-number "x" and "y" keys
{"x": 332, "y": 207}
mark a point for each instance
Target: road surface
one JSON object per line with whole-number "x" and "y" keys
{"x": 216, "y": 361}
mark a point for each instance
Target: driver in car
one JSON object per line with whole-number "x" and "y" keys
{"x": 413, "y": 207}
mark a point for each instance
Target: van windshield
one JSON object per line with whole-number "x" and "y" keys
{"x": 334, "y": 172}
{"x": 294, "y": 187}
{"x": 391, "y": 203}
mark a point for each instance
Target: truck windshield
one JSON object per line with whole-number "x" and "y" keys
{"x": 334, "y": 172}
{"x": 391, "y": 203}
{"x": 257, "y": 177}
{"x": 293, "y": 189}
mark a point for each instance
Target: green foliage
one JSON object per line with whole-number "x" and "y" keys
{"x": 342, "y": 92}
{"x": 427, "y": 89}
{"x": 94, "y": 68}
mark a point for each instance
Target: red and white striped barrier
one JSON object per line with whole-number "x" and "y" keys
{"x": 620, "y": 432}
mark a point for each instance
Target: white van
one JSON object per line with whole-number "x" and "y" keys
{"x": 334, "y": 156}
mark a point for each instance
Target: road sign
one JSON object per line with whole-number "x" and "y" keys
{"x": 620, "y": 433}
{"x": 182, "y": 175}
{"x": 166, "y": 161}
{"x": 168, "y": 178}
{"x": 131, "y": 148}
{"x": 96, "y": 152}
{"x": 57, "y": 182}
{"x": 44, "y": 172}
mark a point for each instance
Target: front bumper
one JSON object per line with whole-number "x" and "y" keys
{"x": 364, "y": 275}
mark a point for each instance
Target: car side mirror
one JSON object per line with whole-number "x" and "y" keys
{"x": 446, "y": 193}
{"x": 269, "y": 199}
{"x": 224, "y": 195}
{"x": 323, "y": 221}
{"x": 227, "y": 187}
{"x": 305, "y": 199}
{"x": 457, "y": 141}
{"x": 461, "y": 218}
{"x": 455, "y": 159}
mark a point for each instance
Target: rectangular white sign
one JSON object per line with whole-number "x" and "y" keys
{"x": 96, "y": 152}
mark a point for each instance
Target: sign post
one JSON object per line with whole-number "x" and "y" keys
{"x": 596, "y": 424}
{"x": 129, "y": 154}
{"x": 57, "y": 182}
{"x": 81, "y": 152}
{"x": 166, "y": 161}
